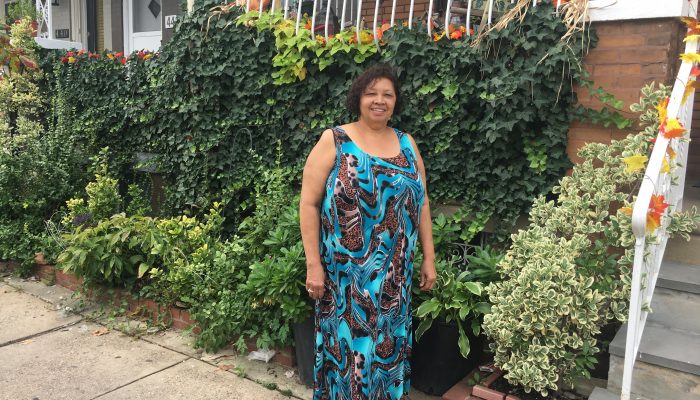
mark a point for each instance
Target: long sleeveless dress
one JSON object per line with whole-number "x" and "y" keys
{"x": 369, "y": 228}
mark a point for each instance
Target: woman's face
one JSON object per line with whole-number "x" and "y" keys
{"x": 378, "y": 101}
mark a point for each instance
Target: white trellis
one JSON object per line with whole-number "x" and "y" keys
{"x": 44, "y": 19}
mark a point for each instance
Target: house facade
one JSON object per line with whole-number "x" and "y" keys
{"x": 96, "y": 25}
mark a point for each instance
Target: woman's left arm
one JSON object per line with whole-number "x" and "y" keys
{"x": 425, "y": 231}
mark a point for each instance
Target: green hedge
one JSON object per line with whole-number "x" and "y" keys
{"x": 491, "y": 121}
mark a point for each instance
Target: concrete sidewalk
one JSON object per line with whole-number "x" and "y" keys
{"x": 55, "y": 346}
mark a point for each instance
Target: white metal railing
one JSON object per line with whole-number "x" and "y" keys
{"x": 44, "y": 19}
{"x": 354, "y": 8}
{"x": 648, "y": 254}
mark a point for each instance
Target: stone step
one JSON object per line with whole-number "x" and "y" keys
{"x": 668, "y": 348}
{"x": 682, "y": 251}
{"x": 675, "y": 310}
{"x": 654, "y": 382}
{"x": 603, "y": 394}
{"x": 691, "y": 197}
{"x": 679, "y": 276}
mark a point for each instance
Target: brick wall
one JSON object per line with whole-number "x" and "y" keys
{"x": 420, "y": 7}
{"x": 629, "y": 55}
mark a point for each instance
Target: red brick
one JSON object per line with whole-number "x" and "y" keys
{"x": 512, "y": 397}
{"x": 460, "y": 391}
{"x": 492, "y": 378}
{"x": 284, "y": 359}
{"x": 617, "y": 70}
{"x": 45, "y": 273}
{"x": 487, "y": 394}
{"x": 619, "y": 41}
{"x": 180, "y": 324}
{"x": 39, "y": 258}
{"x": 627, "y": 56}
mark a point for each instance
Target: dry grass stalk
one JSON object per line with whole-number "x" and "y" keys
{"x": 574, "y": 15}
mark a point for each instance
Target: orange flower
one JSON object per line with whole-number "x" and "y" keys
{"x": 673, "y": 129}
{"x": 662, "y": 108}
{"x": 71, "y": 60}
{"x": 366, "y": 37}
{"x": 456, "y": 35}
{"x": 657, "y": 208}
{"x": 320, "y": 40}
{"x": 463, "y": 29}
{"x": 307, "y": 25}
{"x": 110, "y": 56}
{"x": 695, "y": 71}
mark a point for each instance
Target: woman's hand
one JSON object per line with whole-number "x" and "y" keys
{"x": 427, "y": 275}
{"x": 315, "y": 277}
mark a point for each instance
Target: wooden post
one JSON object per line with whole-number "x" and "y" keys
{"x": 190, "y": 5}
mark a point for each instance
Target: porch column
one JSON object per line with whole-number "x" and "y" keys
{"x": 2, "y": 10}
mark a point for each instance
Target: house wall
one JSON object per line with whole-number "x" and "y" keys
{"x": 607, "y": 10}
{"x": 117, "y": 18}
{"x": 630, "y": 54}
{"x": 61, "y": 17}
{"x": 107, "y": 23}
{"x": 170, "y": 7}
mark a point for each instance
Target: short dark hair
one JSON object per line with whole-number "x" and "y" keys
{"x": 364, "y": 80}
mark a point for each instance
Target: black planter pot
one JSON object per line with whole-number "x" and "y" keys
{"x": 304, "y": 348}
{"x": 436, "y": 364}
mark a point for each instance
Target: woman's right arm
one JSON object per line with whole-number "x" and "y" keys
{"x": 318, "y": 166}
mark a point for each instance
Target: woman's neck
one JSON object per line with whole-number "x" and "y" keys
{"x": 372, "y": 128}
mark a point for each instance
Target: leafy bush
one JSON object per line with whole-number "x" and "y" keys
{"x": 568, "y": 273}
{"x": 39, "y": 165}
{"x": 207, "y": 111}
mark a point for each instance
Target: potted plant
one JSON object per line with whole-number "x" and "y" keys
{"x": 446, "y": 342}
{"x": 23, "y": 9}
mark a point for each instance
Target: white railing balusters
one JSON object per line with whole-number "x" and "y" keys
{"x": 328, "y": 14}
{"x": 374, "y": 23}
{"x": 296, "y": 30}
{"x": 313, "y": 21}
{"x": 469, "y": 17}
{"x": 430, "y": 18}
{"x": 247, "y": 5}
{"x": 272, "y": 6}
{"x": 447, "y": 17}
{"x": 359, "y": 19}
{"x": 286, "y": 8}
{"x": 261, "y": 7}
{"x": 342, "y": 15}
{"x": 490, "y": 12}
{"x": 393, "y": 13}
{"x": 410, "y": 14}
{"x": 655, "y": 182}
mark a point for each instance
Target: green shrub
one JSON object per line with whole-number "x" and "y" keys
{"x": 207, "y": 110}
{"x": 568, "y": 273}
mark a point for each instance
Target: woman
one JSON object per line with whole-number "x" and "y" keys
{"x": 363, "y": 203}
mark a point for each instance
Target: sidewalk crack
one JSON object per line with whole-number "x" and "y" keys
{"x": 138, "y": 379}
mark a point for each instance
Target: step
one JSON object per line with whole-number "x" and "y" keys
{"x": 600, "y": 393}
{"x": 603, "y": 394}
{"x": 675, "y": 310}
{"x": 672, "y": 349}
{"x": 654, "y": 382}
{"x": 679, "y": 276}
{"x": 682, "y": 251}
{"x": 691, "y": 197}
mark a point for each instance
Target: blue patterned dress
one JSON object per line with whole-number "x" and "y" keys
{"x": 369, "y": 228}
